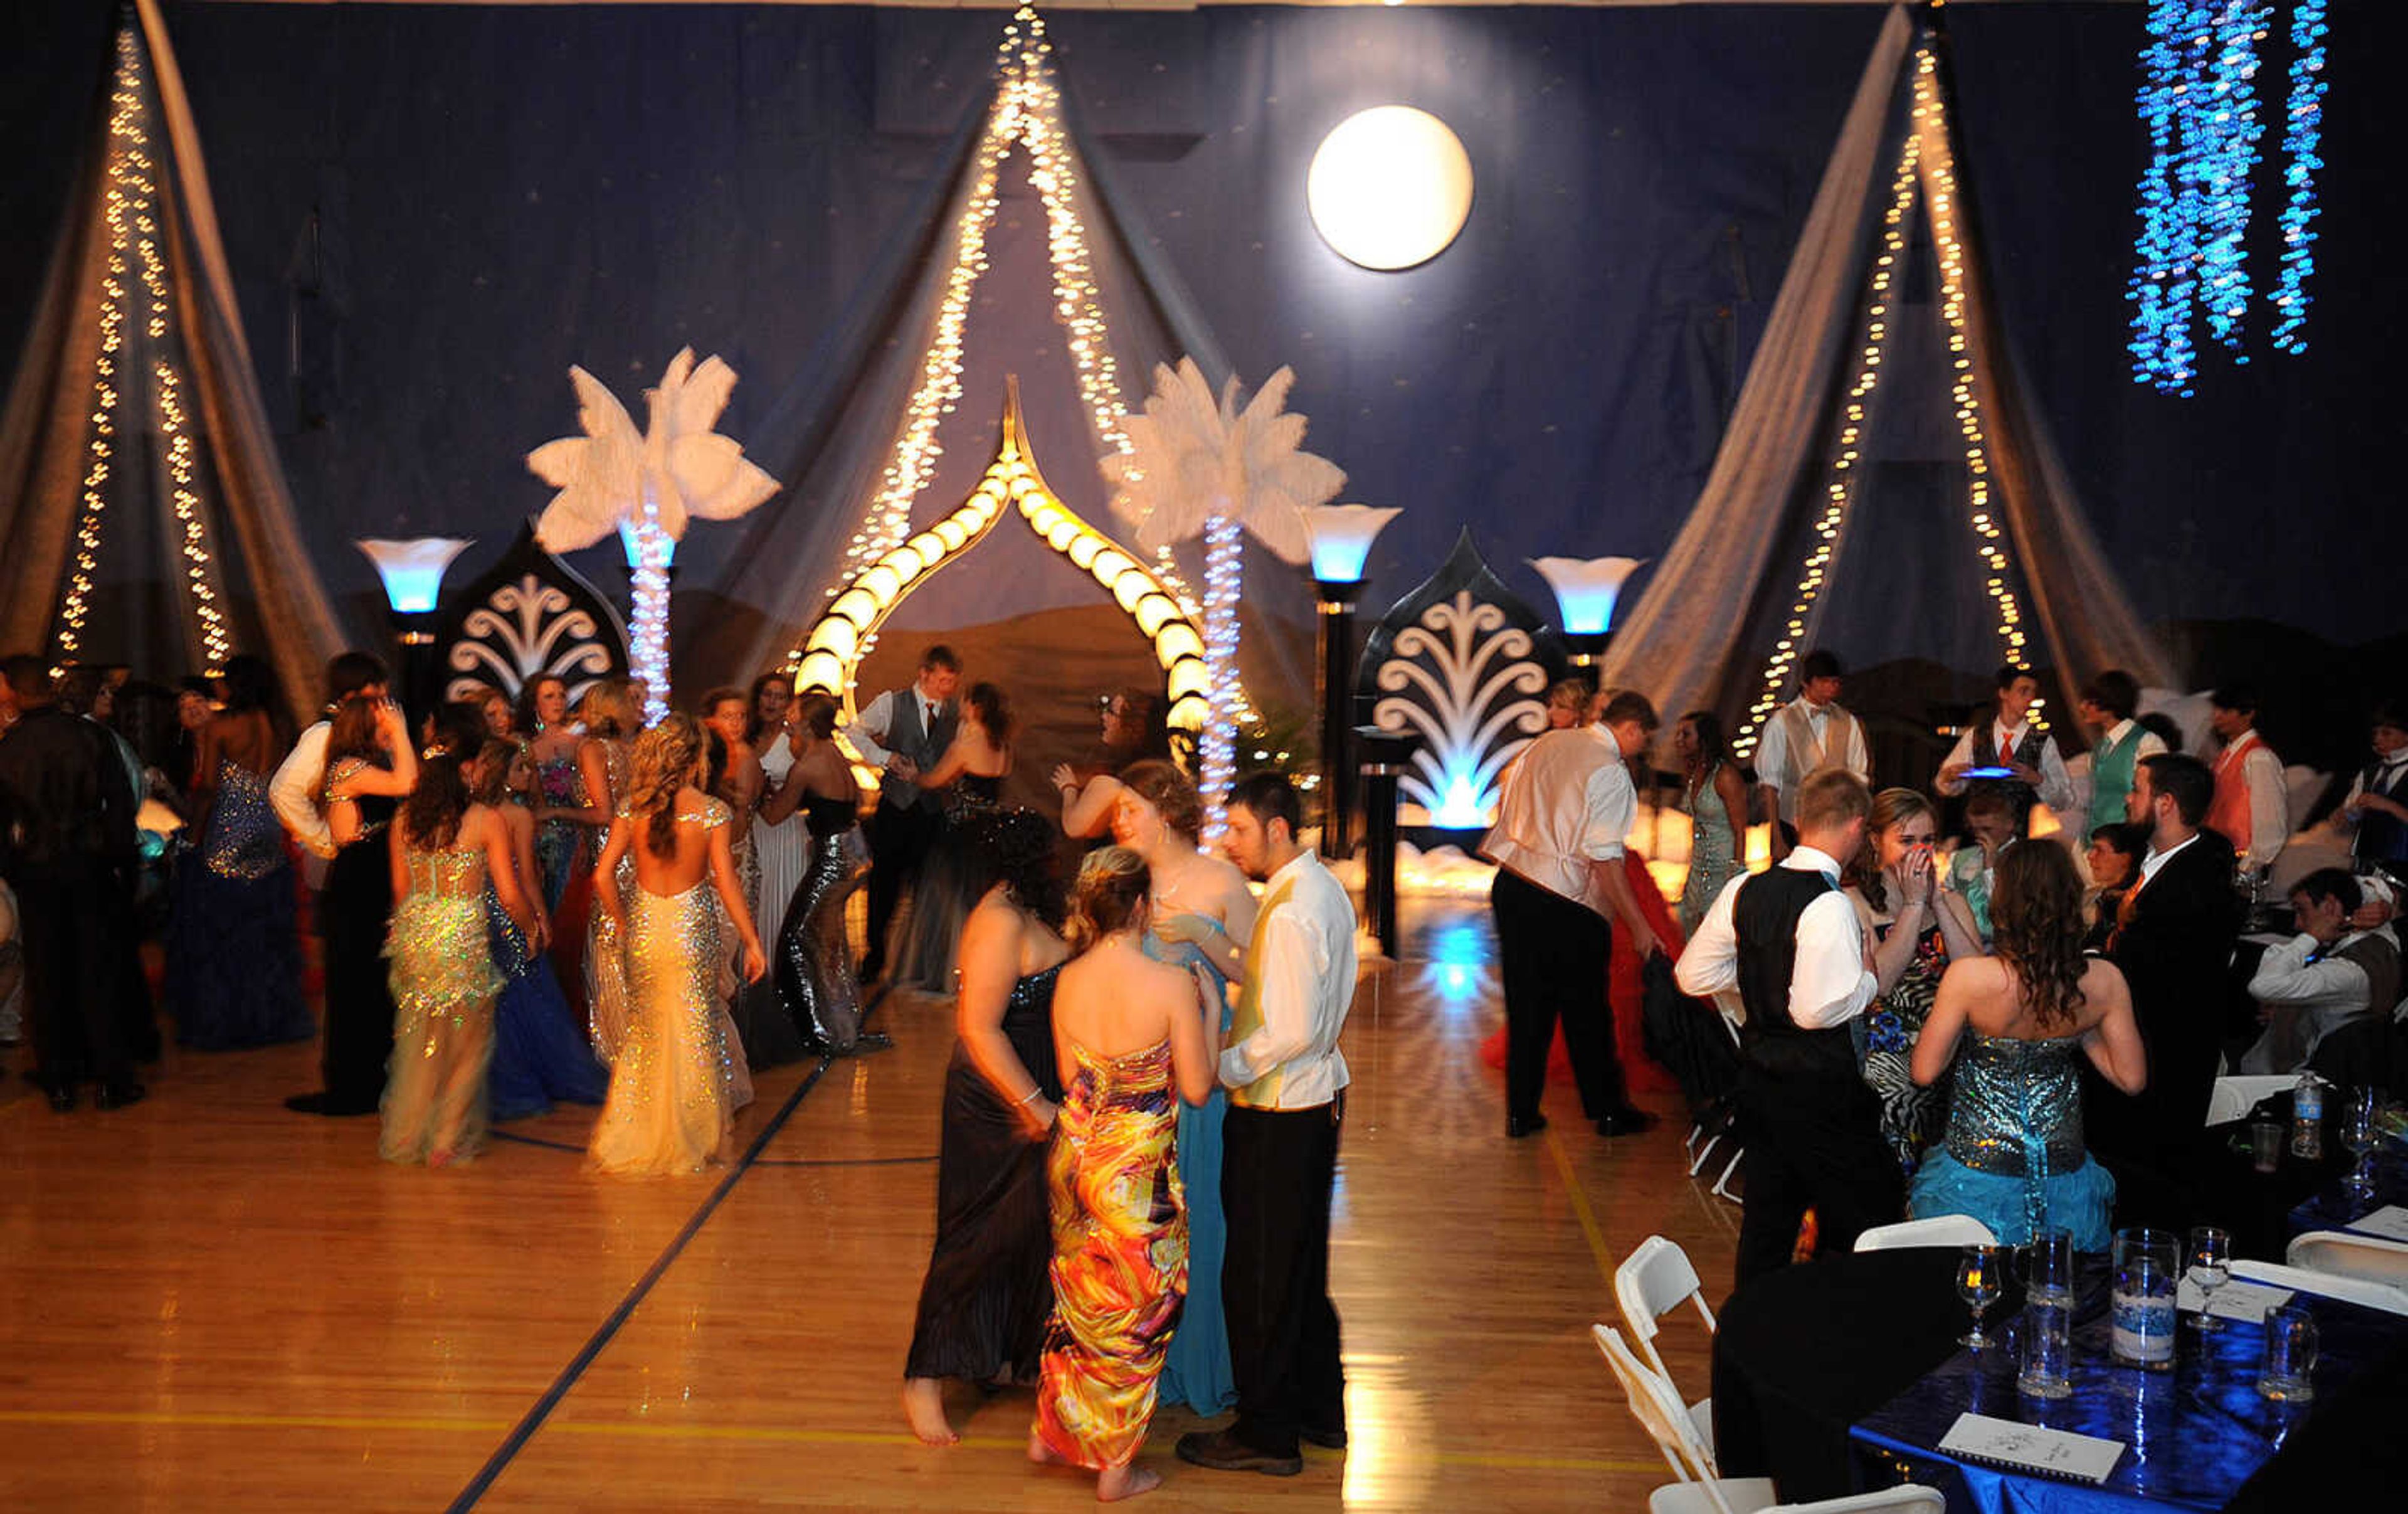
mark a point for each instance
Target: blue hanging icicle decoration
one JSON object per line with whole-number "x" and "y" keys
{"x": 2303, "y": 144}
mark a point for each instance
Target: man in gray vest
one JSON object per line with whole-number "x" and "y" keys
{"x": 905, "y": 732}
{"x": 1788, "y": 942}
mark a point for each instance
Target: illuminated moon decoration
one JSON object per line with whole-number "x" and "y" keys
{"x": 846, "y": 630}
{"x": 1390, "y": 187}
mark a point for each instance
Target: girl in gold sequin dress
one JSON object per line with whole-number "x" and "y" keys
{"x": 444, "y": 983}
{"x": 1133, "y": 1040}
{"x": 670, "y": 1109}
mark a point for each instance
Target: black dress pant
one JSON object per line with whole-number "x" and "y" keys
{"x": 77, "y": 935}
{"x": 1552, "y": 955}
{"x": 899, "y": 840}
{"x": 1813, "y": 1142}
{"x": 1277, "y": 1170}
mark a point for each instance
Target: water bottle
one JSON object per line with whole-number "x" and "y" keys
{"x": 2308, "y": 1118}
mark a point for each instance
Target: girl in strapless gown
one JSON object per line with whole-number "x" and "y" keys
{"x": 1131, "y": 1040}
{"x": 986, "y": 1298}
{"x": 444, "y": 848}
{"x": 673, "y": 1085}
{"x": 2016, "y": 1026}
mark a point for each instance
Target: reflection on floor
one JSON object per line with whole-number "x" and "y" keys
{"x": 208, "y": 1303}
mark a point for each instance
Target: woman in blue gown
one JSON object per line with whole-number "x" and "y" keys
{"x": 540, "y": 1053}
{"x": 2017, "y": 1026}
{"x": 234, "y": 944}
{"x": 1203, "y": 912}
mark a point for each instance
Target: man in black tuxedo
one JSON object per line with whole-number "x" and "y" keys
{"x": 2174, "y": 940}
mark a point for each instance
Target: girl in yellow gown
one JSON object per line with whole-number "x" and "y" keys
{"x": 1133, "y": 1039}
{"x": 669, "y": 1105}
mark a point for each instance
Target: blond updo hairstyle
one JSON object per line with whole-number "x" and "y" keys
{"x": 1114, "y": 887}
{"x": 664, "y": 764}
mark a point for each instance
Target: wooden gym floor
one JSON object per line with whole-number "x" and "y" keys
{"x": 208, "y": 1303}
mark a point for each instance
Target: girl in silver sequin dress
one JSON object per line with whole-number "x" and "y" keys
{"x": 443, "y": 849}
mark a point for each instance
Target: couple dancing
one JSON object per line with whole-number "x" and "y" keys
{"x": 1066, "y": 1169}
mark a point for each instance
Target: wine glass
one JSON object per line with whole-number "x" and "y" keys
{"x": 2211, "y": 1268}
{"x": 1978, "y": 1284}
{"x": 2361, "y": 1134}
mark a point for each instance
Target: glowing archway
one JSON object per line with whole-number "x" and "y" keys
{"x": 848, "y": 628}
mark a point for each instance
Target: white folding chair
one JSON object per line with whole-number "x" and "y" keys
{"x": 2331, "y": 1285}
{"x": 2235, "y": 1096}
{"x": 1698, "y": 1154}
{"x": 2367, "y": 1257}
{"x": 1940, "y": 1229}
{"x": 1652, "y": 1281}
{"x": 1657, "y": 1409}
{"x": 1906, "y": 1495}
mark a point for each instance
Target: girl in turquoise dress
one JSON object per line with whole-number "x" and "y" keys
{"x": 1202, "y": 909}
{"x": 2017, "y": 1026}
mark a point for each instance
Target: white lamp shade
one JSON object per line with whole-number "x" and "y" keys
{"x": 1587, "y": 587}
{"x": 1389, "y": 187}
{"x": 1342, "y": 538}
{"x": 412, "y": 570}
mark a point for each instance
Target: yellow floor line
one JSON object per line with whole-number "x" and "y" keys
{"x": 1586, "y": 1215}
{"x": 774, "y": 1434}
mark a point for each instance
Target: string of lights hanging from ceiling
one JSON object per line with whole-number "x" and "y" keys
{"x": 2199, "y": 103}
{"x": 133, "y": 211}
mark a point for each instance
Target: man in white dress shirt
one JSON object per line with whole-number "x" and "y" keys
{"x": 1565, "y": 806}
{"x": 1810, "y": 734}
{"x": 293, "y": 793}
{"x": 1788, "y": 942}
{"x": 2035, "y": 771}
{"x": 1287, "y": 1101}
{"x": 2322, "y": 978}
{"x": 904, "y": 731}
{"x": 2117, "y": 743}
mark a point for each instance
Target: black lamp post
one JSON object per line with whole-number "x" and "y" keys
{"x": 1342, "y": 540}
{"x": 412, "y": 572}
{"x": 1384, "y": 754}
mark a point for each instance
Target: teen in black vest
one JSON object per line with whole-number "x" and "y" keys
{"x": 905, "y": 732}
{"x": 1786, "y": 941}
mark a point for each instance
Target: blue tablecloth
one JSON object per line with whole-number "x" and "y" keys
{"x": 2336, "y": 1204}
{"x": 2192, "y": 1436}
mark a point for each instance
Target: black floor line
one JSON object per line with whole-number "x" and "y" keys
{"x": 518, "y": 1438}
{"x": 536, "y": 1140}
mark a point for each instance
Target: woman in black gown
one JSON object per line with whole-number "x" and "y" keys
{"x": 370, "y": 764}
{"x": 984, "y": 1301}
{"x": 818, "y": 987}
{"x": 968, "y": 781}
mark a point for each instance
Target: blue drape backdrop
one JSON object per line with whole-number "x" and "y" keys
{"x": 434, "y": 211}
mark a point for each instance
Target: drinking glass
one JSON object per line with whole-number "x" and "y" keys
{"x": 1978, "y": 1284}
{"x": 2048, "y": 1348}
{"x": 2145, "y": 1263}
{"x": 2290, "y": 1355}
{"x": 2048, "y": 1266}
{"x": 2361, "y": 1133}
{"x": 2211, "y": 1268}
{"x": 2266, "y": 1144}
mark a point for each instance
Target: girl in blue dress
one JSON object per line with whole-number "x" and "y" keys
{"x": 540, "y": 1053}
{"x": 1203, "y": 912}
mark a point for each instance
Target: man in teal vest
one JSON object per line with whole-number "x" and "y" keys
{"x": 2118, "y": 744}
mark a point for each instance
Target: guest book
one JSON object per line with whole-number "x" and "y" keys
{"x": 2031, "y": 1448}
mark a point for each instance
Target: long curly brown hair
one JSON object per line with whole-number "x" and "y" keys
{"x": 1891, "y": 807}
{"x": 664, "y": 764}
{"x": 2035, "y": 928}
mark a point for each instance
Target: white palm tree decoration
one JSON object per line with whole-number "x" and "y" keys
{"x": 650, "y": 485}
{"x": 1198, "y": 465}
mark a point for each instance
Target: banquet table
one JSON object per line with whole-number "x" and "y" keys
{"x": 1845, "y": 1374}
{"x": 2337, "y": 1205}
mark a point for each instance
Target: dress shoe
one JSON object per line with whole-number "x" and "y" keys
{"x": 1328, "y": 1440}
{"x": 1516, "y": 1127}
{"x": 117, "y": 1095}
{"x": 63, "y": 1097}
{"x": 1626, "y": 1121}
{"x": 1224, "y": 1453}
